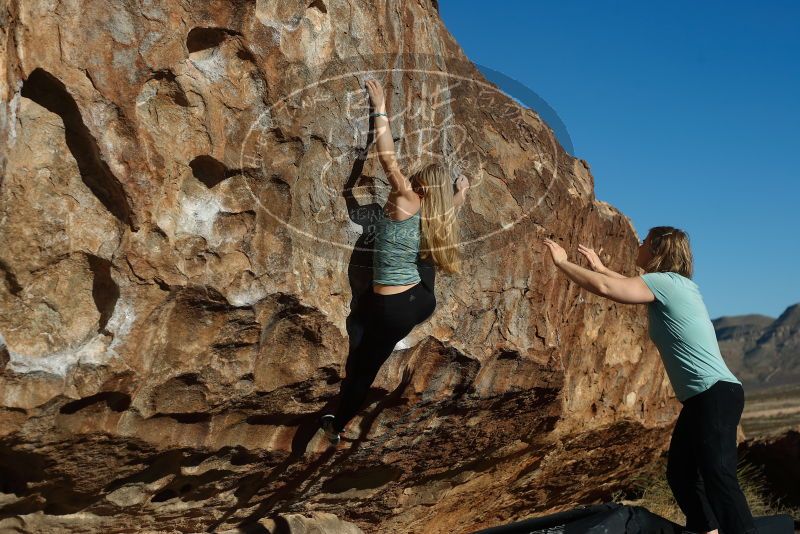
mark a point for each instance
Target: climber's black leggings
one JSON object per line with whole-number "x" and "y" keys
{"x": 386, "y": 320}
{"x": 701, "y": 466}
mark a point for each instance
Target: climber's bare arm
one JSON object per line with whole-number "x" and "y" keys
{"x": 624, "y": 290}
{"x": 400, "y": 184}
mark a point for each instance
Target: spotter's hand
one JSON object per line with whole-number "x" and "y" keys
{"x": 557, "y": 252}
{"x": 594, "y": 259}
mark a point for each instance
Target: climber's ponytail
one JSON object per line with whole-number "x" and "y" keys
{"x": 439, "y": 237}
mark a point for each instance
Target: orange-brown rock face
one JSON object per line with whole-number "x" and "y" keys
{"x": 184, "y": 234}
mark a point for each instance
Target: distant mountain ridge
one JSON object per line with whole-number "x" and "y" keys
{"x": 760, "y": 350}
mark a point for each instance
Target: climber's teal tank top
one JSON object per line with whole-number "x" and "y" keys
{"x": 396, "y": 250}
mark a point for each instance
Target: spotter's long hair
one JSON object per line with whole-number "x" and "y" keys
{"x": 671, "y": 251}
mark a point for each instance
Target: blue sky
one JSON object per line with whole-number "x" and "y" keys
{"x": 687, "y": 113}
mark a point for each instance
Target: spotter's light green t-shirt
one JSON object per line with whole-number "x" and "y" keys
{"x": 680, "y": 327}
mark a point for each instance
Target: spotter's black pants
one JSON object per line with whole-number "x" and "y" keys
{"x": 701, "y": 468}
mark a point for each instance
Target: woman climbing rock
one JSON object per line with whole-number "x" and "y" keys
{"x": 417, "y": 223}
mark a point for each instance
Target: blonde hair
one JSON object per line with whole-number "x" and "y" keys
{"x": 670, "y": 250}
{"x": 439, "y": 236}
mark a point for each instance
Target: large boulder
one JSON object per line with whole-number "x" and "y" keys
{"x": 184, "y": 211}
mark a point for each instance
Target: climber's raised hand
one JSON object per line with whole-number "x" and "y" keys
{"x": 462, "y": 186}
{"x": 594, "y": 259}
{"x": 557, "y": 252}
{"x": 376, "y": 97}
{"x": 462, "y": 183}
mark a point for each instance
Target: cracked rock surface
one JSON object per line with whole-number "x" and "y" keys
{"x": 185, "y": 203}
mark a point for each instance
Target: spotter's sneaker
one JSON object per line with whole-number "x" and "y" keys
{"x": 326, "y": 423}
